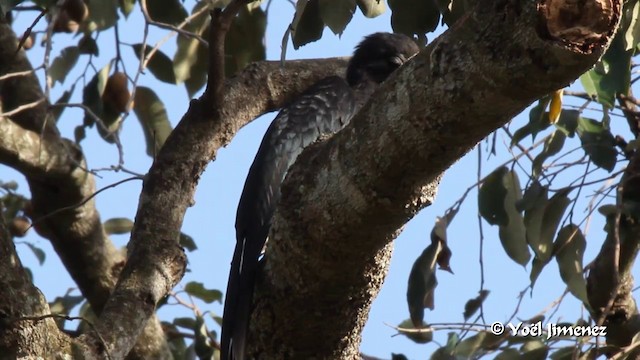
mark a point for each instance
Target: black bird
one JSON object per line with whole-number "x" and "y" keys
{"x": 324, "y": 108}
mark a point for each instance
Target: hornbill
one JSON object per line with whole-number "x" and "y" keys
{"x": 324, "y": 108}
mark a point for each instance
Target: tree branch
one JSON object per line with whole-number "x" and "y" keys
{"x": 54, "y": 171}
{"x": 344, "y": 200}
{"x": 610, "y": 282}
{"x": 20, "y": 338}
{"x": 156, "y": 261}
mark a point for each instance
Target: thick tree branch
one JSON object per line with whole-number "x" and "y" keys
{"x": 156, "y": 261}
{"x": 610, "y": 281}
{"x": 345, "y": 199}
{"x": 54, "y": 171}
{"x": 19, "y": 337}
{"x": 92, "y": 265}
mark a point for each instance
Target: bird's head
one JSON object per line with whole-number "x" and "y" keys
{"x": 378, "y": 55}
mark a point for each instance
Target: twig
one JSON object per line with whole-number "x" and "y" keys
{"x": 23, "y": 107}
{"x": 27, "y": 32}
{"x": 174, "y": 29}
{"x": 19, "y": 73}
{"x": 481, "y": 232}
{"x": 84, "y": 201}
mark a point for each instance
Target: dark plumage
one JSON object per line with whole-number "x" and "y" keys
{"x": 324, "y": 108}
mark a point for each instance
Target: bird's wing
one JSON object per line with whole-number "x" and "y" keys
{"x": 324, "y": 108}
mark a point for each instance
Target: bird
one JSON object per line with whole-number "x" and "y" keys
{"x": 322, "y": 109}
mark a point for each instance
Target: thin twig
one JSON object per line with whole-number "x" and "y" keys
{"x": 174, "y": 29}
{"x": 481, "y": 232}
{"x": 27, "y": 32}
{"x": 84, "y": 201}
{"x": 23, "y": 107}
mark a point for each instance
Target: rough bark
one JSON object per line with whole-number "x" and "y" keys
{"x": 26, "y": 331}
{"x": 55, "y": 171}
{"x": 610, "y": 282}
{"x": 466, "y": 84}
{"x": 342, "y": 207}
{"x": 156, "y": 261}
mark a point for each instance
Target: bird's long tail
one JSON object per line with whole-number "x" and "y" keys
{"x": 238, "y": 301}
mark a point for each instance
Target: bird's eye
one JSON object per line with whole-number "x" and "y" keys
{"x": 398, "y": 60}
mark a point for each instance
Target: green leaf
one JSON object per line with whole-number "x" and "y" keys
{"x": 185, "y": 322}
{"x": 452, "y": 341}
{"x": 491, "y": 197}
{"x": 534, "y": 350}
{"x": 177, "y": 344}
{"x": 632, "y": 32}
{"x": 87, "y": 45}
{"x": 197, "y": 289}
{"x": 565, "y": 353}
{"x": 531, "y": 196}
{"x": 79, "y": 133}
{"x": 189, "y": 50}
{"x": 198, "y": 72}
{"x": 439, "y": 234}
{"x": 414, "y": 16}
{"x": 202, "y": 342}
{"x": 118, "y": 226}
{"x": 513, "y": 234}
{"x": 216, "y": 318}
{"x": 91, "y": 95}
{"x": 152, "y": 115}
{"x": 569, "y": 249}
{"x": 371, "y": 8}
{"x": 422, "y": 283}
{"x": 473, "y": 305}
{"x": 552, "y": 145}
{"x": 469, "y": 346}
{"x": 187, "y": 242}
{"x": 612, "y": 76}
{"x": 7, "y": 5}
{"x": 307, "y": 25}
{"x": 598, "y": 143}
{"x": 64, "y": 304}
{"x": 336, "y": 14}
{"x": 160, "y": 64}
{"x": 39, "y": 253}
{"x": 422, "y": 337}
{"x": 538, "y": 121}
{"x": 63, "y": 63}
{"x": 10, "y": 186}
{"x": 568, "y": 122}
{"x": 508, "y": 354}
{"x": 126, "y": 7}
{"x": 245, "y": 40}
{"x": 64, "y": 98}
{"x": 103, "y": 14}
{"x": 168, "y": 11}
{"x": 442, "y": 353}
{"x": 553, "y": 213}
{"x": 533, "y": 219}
{"x": 536, "y": 268}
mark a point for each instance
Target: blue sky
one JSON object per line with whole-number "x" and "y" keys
{"x": 211, "y": 220}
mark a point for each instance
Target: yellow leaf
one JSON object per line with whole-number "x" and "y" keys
{"x": 555, "y": 108}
